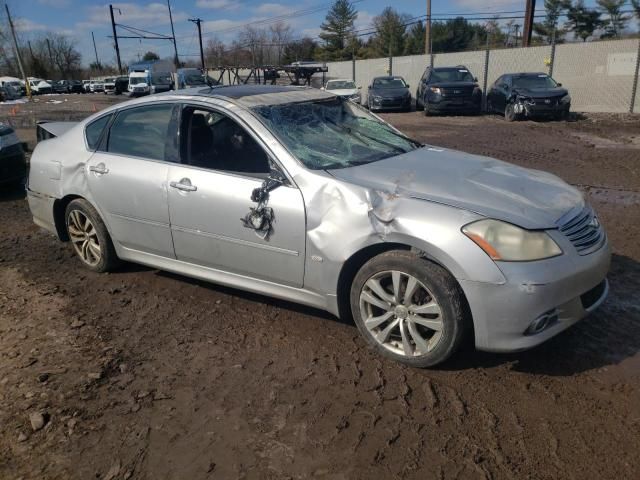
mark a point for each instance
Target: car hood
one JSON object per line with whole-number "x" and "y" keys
{"x": 344, "y": 91}
{"x": 529, "y": 198}
{"x": 389, "y": 92}
{"x": 541, "y": 92}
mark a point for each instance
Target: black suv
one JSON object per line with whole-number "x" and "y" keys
{"x": 448, "y": 89}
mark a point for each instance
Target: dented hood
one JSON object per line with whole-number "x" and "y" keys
{"x": 530, "y": 198}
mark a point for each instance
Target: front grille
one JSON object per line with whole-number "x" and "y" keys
{"x": 584, "y": 231}
{"x": 457, "y": 92}
{"x": 548, "y": 102}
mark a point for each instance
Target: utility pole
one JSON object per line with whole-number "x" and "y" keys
{"x": 115, "y": 39}
{"x": 50, "y": 55}
{"x": 529, "y": 15}
{"x": 198, "y": 21}
{"x": 516, "y": 27}
{"x": 427, "y": 30}
{"x": 17, "y": 50}
{"x": 173, "y": 35}
{"x": 96, "y": 52}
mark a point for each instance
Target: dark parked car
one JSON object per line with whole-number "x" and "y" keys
{"x": 60, "y": 86}
{"x": 75, "y": 86}
{"x": 519, "y": 95}
{"x": 122, "y": 85}
{"x": 389, "y": 93}
{"x": 448, "y": 89}
{"x": 7, "y": 92}
{"x": 13, "y": 165}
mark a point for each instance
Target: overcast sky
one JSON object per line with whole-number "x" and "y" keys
{"x": 221, "y": 18}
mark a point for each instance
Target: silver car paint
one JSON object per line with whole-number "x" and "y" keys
{"x": 415, "y": 201}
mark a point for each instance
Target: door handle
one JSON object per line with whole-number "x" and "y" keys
{"x": 184, "y": 185}
{"x": 99, "y": 169}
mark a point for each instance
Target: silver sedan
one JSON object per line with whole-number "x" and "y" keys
{"x": 298, "y": 194}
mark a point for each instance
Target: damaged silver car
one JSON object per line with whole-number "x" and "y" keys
{"x": 298, "y": 194}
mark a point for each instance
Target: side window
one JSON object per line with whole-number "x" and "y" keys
{"x": 141, "y": 131}
{"x": 94, "y": 130}
{"x": 214, "y": 141}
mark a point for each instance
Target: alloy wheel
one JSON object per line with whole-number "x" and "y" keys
{"x": 84, "y": 237}
{"x": 401, "y": 314}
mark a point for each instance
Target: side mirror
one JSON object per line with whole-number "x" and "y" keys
{"x": 408, "y": 86}
{"x": 559, "y": 84}
{"x": 369, "y": 87}
{"x": 273, "y": 181}
{"x": 475, "y": 79}
{"x": 359, "y": 88}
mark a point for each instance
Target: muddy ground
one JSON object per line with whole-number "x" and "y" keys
{"x": 146, "y": 375}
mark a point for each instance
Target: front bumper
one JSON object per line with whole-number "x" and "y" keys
{"x": 541, "y": 109}
{"x": 442, "y": 104}
{"x": 567, "y": 288}
{"x": 384, "y": 104}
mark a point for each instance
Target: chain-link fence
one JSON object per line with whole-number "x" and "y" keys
{"x": 600, "y": 76}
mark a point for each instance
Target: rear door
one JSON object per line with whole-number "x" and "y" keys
{"x": 211, "y": 206}
{"x": 127, "y": 176}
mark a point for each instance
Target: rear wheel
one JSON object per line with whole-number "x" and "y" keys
{"x": 89, "y": 237}
{"x": 408, "y": 308}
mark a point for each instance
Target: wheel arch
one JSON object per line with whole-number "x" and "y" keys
{"x": 353, "y": 264}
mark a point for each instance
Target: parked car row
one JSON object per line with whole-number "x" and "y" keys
{"x": 455, "y": 90}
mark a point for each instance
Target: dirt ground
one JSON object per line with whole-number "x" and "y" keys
{"x": 145, "y": 375}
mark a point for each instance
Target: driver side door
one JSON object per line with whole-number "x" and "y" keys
{"x": 210, "y": 193}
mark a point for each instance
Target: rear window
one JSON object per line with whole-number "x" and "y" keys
{"x": 141, "y": 131}
{"x": 94, "y": 130}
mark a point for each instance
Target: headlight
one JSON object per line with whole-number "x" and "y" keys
{"x": 436, "y": 90}
{"x": 566, "y": 99}
{"x": 355, "y": 96}
{"x": 506, "y": 242}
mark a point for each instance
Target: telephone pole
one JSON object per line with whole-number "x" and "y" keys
{"x": 198, "y": 21}
{"x": 17, "y": 50}
{"x": 528, "y": 22}
{"x": 96, "y": 52}
{"x": 115, "y": 39}
{"x": 427, "y": 30}
{"x": 173, "y": 35}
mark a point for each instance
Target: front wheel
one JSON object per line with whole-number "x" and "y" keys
{"x": 89, "y": 237}
{"x": 408, "y": 308}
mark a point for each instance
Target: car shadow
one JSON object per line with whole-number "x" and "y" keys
{"x": 608, "y": 336}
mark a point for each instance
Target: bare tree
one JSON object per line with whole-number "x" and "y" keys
{"x": 65, "y": 57}
{"x": 214, "y": 52}
{"x": 255, "y": 40}
{"x": 281, "y": 34}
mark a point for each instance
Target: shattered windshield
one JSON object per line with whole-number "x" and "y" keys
{"x": 333, "y": 133}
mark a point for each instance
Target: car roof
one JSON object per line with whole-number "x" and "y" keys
{"x": 527, "y": 74}
{"x": 387, "y": 76}
{"x": 254, "y": 95}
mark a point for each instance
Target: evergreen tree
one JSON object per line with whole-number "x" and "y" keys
{"x": 390, "y": 28}
{"x": 553, "y": 10}
{"x": 337, "y": 28}
{"x": 616, "y": 21}
{"x": 583, "y": 21}
{"x": 414, "y": 44}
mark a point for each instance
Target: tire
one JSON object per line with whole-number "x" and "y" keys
{"x": 398, "y": 325}
{"x": 84, "y": 242}
{"x": 509, "y": 113}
